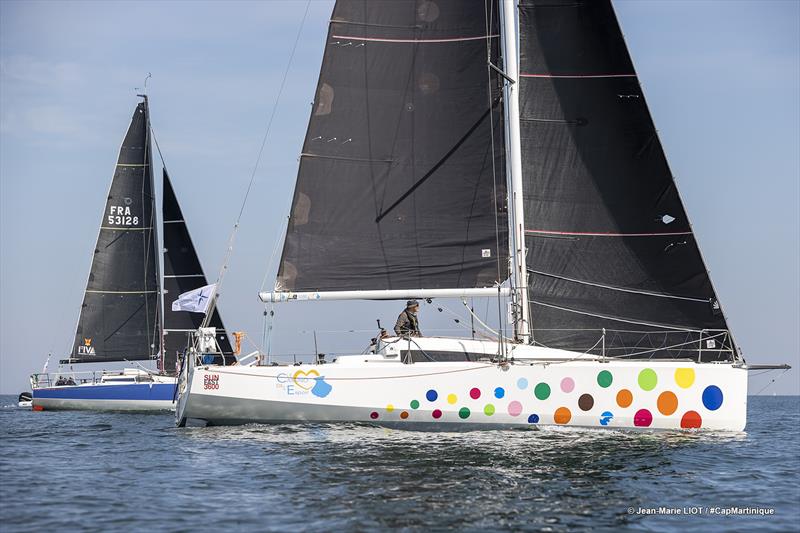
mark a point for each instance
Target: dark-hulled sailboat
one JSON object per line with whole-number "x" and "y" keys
{"x": 436, "y": 155}
{"x": 122, "y": 317}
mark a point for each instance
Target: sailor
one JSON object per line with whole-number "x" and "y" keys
{"x": 407, "y": 323}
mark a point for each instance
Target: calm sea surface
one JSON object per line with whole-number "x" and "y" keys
{"x": 113, "y": 472}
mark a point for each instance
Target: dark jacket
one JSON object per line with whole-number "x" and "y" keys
{"x": 407, "y": 324}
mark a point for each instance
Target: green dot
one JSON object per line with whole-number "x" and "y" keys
{"x": 604, "y": 378}
{"x": 542, "y": 391}
{"x": 488, "y": 410}
{"x": 414, "y": 404}
{"x": 463, "y": 412}
{"x": 648, "y": 379}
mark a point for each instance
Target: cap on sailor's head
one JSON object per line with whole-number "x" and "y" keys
{"x": 412, "y": 303}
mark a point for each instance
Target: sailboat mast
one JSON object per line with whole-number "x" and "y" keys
{"x": 516, "y": 219}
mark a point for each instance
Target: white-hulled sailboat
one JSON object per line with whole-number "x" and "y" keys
{"x": 440, "y": 161}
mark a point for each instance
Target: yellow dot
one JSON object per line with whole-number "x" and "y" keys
{"x": 684, "y": 377}
{"x": 452, "y": 398}
{"x": 389, "y": 408}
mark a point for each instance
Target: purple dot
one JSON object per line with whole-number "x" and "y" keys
{"x": 373, "y": 415}
{"x": 642, "y": 418}
{"x": 436, "y": 413}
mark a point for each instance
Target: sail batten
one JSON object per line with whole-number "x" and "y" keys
{"x": 401, "y": 183}
{"x": 120, "y": 315}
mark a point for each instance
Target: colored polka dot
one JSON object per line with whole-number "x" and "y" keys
{"x": 431, "y": 395}
{"x": 373, "y": 415}
{"x": 488, "y": 410}
{"x": 452, "y": 398}
{"x": 514, "y": 408}
{"x": 437, "y": 413}
{"x": 648, "y": 379}
{"x": 691, "y": 419}
{"x": 567, "y": 384}
{"x": 606, "y": 417}
{"x": 684, "y": 377}
{"x": 562, "y": 415}
{"x": 522, "y": 383}
{"x": 475, "y": 393}
{"x": 463, "y": 413}
{"x": 642, "y": 418}
{"x": 667, "y": 403}
{"x": 414, "y": 404}
{"x": 585, "y": 402}
{"x": 712, "y": 397}
{"x": 604, "y": 379}
{"x": 499, "y": 392}
{"x": 404, "y": 415}
{"x": 389, "y": 408}
{"x": 542, "y": 391}
{"x": 624, "y": 398}
{"x": 533, "y": 419}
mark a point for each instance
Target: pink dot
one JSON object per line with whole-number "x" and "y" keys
{"x": 567, "y": 384}
{"x": 642, "y": 418}
{"x": 373, "y": 415}
{"x": 436, "y": 413}
{"x": 514, "y": 408}
{"x": 475, "y": 393}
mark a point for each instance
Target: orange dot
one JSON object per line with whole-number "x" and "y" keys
{"x": 624, "y": 398}
{"x": 691, "y": 419}
{"x": 562, "y": 415}
{"x": 667, "y": 403}
{"x": 404, "y": 415}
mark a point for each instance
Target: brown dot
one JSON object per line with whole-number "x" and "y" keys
{"x": 585, "y": 402}
{"x": 404, "y": 415}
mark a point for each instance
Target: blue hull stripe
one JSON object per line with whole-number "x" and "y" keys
{"x": 136, "y": 391}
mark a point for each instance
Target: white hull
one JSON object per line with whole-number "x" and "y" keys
{"x": 453, "y": 395}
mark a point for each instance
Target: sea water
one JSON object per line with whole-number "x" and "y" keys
{"x": 65, "y": 471}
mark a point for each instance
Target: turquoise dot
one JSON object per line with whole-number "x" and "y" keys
{"x": 499, "y": 392}
{"x": 431, "y": 395}
{"x": 522, "y": 383}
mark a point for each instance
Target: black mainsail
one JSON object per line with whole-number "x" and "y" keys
{"x": 609, "y": 242}
{"x": 120, "y": 316}
{"x": 401, "y": 182}
{"x": 182, "y": 273}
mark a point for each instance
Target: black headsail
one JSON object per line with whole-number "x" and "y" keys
{"x": 402, "y": 181}
{"x": 182, "y": 273}
{"x": 609, "y": 242}
{"x": 120, "y": 316}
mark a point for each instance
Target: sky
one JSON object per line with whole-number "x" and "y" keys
{"x": 722, "y": 79}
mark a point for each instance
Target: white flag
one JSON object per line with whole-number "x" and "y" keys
{"x": 195, "y": 301}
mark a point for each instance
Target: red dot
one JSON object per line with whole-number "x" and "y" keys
{"x": 475, "y": 393}
{"x": 436, "y": 413}
{"x": 642, "y": 418}
{"x": 373, "y": 415}
{"x": 691, "y": 419}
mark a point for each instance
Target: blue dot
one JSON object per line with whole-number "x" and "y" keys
{"x": 712, "y": 397}
{"x": 499, "y": 392}
{"x": 522, "y": 383}
{"x": 533, "y": 419}
{"x": 431, "y": 395}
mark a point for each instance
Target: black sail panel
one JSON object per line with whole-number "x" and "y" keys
{"x": 401, "y": 182}
{"x": 182, "y": 273}
{"x": 120, "y": 315}
{"x": 609, "y": 242}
